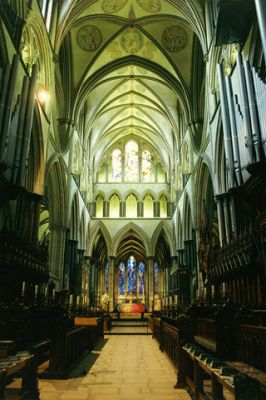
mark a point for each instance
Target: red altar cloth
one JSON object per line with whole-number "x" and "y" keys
{"x": 131, "y": 308}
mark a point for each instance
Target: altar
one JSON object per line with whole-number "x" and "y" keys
{"x": 131, "y": 308}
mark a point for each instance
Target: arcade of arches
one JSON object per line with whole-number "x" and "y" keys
{"x": 132, "y": 158}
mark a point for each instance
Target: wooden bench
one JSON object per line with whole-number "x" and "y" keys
{"x": 199, "y": 366}
{"x": 252, "y": 373}
{"x": 95, "y": 325}
{"x": 25, "y": 366}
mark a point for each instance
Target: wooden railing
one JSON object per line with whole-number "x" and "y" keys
{"x": 66, "y": 348}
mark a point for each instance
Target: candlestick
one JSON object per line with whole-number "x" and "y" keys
{"x": 23, "y": 289}
{"x": 71, "y": 299}
{"x": 77, "y": 301}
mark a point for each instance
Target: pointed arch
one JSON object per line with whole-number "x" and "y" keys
{"x": 57, "y": 191}
{"x": 128, "y": 230}
{"x": 162, "y": 229}
{"x": 99, "y": 227}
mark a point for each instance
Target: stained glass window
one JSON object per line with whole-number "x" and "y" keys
{"x": 132, "y": 275}
{"x": 106, "y": 269}
{"x": 141, "y": 278}
{"x": 132, "y": 162}
{"x": 116, "y": 166}
{"x": 146, "y": 166}
{"x": 122, "y": 278}
{"x": 156, "y": 277}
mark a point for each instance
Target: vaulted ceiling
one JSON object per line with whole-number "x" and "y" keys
{"x": 126, "y": 70}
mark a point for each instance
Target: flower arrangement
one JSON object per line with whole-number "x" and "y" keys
{"x": 105, "y": 301}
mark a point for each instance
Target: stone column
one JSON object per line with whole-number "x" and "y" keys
{"x": 106, "y": 208}
{"x": 122, "y": 208}
{"x": 140, "y": 208}
{"x": 111, "y": 262}
{"x": 150, "y": 300}
{"x": 156, "y": 208}
{"x": 221, "y": 226}
{"x": 56, "y": 254}
{"x": 92, "y": 209}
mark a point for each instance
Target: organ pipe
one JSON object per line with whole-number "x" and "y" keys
{"x": 226, "y": 126}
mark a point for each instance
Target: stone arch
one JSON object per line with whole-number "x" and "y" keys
{"x": 116, "y": 192}
{"x": 125, "y": 231}
{"x": 162, "y": 228}
{"x": 146, "y": 192}
{"x": 100, "y": 193}
{"x": 34, "y": 45}
{"x": 36, "y": 160}
{"x": 100, "y": 227}
{"x": 129, "y": 192}
{"x": 57, "y": 191}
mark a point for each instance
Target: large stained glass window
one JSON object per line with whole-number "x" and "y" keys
{"x": 132, "y": 162}
{"x": 156, "y": 278}
{"x": 132, "y": 275}
{"x": 106, "y": 269}
{"x": 116, "y": 166}
{"x": 146, "y": 166}
{"x": 141, "y": 279}
{"x": 122, "y": 278}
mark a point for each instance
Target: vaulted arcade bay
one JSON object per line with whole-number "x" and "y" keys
{"x": 132, "y": 192}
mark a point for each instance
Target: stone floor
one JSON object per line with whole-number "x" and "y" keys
{"x": 124, "y": 367}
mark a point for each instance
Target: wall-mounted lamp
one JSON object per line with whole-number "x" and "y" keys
{"x": 43, "y": 95}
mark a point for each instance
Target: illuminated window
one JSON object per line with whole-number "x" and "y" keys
{"x": 132, "y": 275}
{"x": 148, "y": 206}
{"x": 163, "y": 207}
{"x": 131, "y": 206}
{"x": 146, "y": 166}
{"x": 116, "y": 166}
{"x": 141, "y": 279}
{"x": 131, "y": 162}
{"x": 99, "y": 207}
{"x": 114, "y": 206}
{"x": 122, "y": 278}
{"x": 156, "y": 278}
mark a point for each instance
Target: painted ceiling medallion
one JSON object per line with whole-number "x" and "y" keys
{"x": 151, "y": 6}
{"x": 112, "y": 6}
{"x": 89, "y": 38}
{"x": 131, "y": 41}
{"x": 174, "y": 38}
